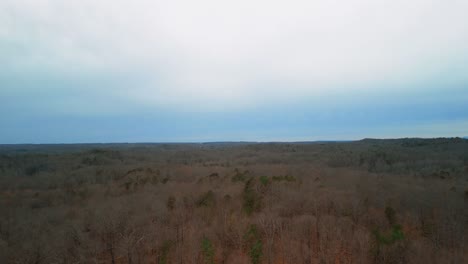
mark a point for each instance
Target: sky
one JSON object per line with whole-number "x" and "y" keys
{"x": 210, "y": 70}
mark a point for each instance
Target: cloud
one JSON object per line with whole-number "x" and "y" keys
{"x": 232, "y": 70}
{"x": 229, "y": 55}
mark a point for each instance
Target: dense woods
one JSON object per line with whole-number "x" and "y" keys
{"x": 369, "y": 201}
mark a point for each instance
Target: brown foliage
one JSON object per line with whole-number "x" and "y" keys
{"x": 361, "y": 202}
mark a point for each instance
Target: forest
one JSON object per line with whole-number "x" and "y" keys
{"x": 367, "y": 201}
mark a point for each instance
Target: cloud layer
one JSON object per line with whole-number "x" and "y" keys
{"x": 162, "y": 58}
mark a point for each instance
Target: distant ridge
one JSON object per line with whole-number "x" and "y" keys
{"x": 410, "y": 138}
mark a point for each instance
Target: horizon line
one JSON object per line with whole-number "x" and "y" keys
{"x": 234, "y": 141}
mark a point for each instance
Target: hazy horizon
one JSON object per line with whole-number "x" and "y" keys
{"x": 230, "y": 141}
{"x": 210, "y": 71}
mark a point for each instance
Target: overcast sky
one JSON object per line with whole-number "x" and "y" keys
{"x": 159, "y": 71}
